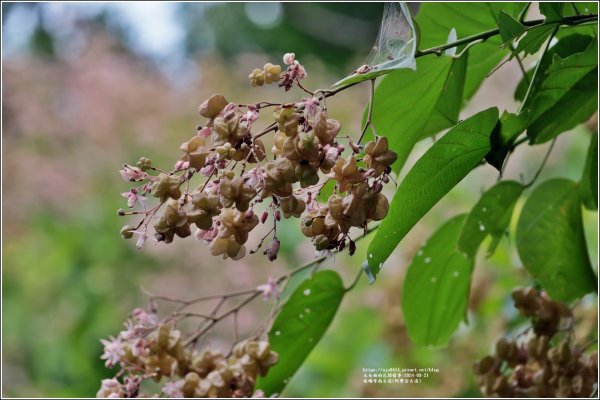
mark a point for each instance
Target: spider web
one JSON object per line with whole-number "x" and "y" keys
{"x": 394, "y": 47}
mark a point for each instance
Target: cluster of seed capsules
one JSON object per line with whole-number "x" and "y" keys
{"x": 149, "y": 350}
{"x": 540, "y": 365}
{"x": 239, "y": 174}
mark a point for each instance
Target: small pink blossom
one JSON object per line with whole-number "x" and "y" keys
{"x": 269, "y": 289}
{"x": 113, "y": 351}
{"x": 206, "y": 235}
{"x": 132, "y": 174}
{"x": 205, "y": 132}
{"x": 181, "y": 164}
{"x": 331, "y": 154}
{"x": 110, "y": 388}
{"x": 255, "y": 178}
{"x": 133, "y": 198}
{"x": 208, "y": 169}
{"x": 272, "y": 249}
{"x": 288, "y": 58}
{"x": 141, "y": 242}
{"x": 250, "y": 116}
{"x": 174, "y": 389}
{"x": 311, "y": 108}
{"x": 132, "y": 385}
{"x": 229, "y": 110}
{"x": 146, "y": 319}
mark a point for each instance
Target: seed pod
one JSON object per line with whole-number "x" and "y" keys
{"x": 211, "y": 107}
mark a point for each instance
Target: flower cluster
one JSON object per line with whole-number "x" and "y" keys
{"x": 540, "y": 366}
{"x": 148, "y": 349}
{"x": 237, "y": 175}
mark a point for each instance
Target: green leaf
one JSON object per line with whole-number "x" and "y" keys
{"x": 436, "y": 19}
{"x": 510, "y": 28}
{"x": 551, "y": 243}
{"x": 563, "y": 75}
{"x": 503, "y": 137}
{"x": 566, "y": 46}
{"x": 490, "y": 216}
{"x": 405, "y": 100}
{"x": 589, "y": 179}
{"x": 441, "y": 168}
{"x": 534, "y": 38}
{"x": 435, "y": 294}
{"x": 447, "y": 109}
{"x": 577, "y": 105}
{"x": 553, "y": 11}
{"x": 300, "y": 325}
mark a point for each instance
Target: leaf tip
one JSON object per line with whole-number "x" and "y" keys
{"x": 368, "y": 271}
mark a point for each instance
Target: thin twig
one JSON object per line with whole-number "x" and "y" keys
{"x": 537, "y": 174}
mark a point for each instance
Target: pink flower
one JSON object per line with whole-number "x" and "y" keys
{"x": 113, "y": 351}
{"x": 255, "y": 178}
{"x": 269, "y": 289}
{"x": 141, "y": 242}
{"x": 181, "y": 164}
{"x": 133, "y": 198}
{"x": 173, "y": 389}
{"x": 146, "y": 319}
{"x": 206, "y": 235}
{"x": 132, "y": 174}
{"x": 288, "y": 58}
{"x": 205, "y": 132}
{"x": 311, "y": 108}
{"x": 250, "y": 116}
{"x": 110, "y": 388}
{"x": 132, "y": 385}
{"x": 272, "y": 249}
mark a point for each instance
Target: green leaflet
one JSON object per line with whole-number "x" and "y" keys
{"x": 535, "y": 38}
{"x": 510, "y": 28}
{"x": 551, "y": 243}
{"x": 300, "y": 325}
{"x": 448, "y": 106}
{"x": 490, "y": 216}
{"x": 589, "y": 179}
{"x": 404, "y": 103}
{"x": 566, "y": 79}
{"x": 435, "y": 294}
{"x": 441, "y": 168}
{"x": 566, "y": 46}
{"x": 437, "y": 19}
{"x": 553, "y": 11}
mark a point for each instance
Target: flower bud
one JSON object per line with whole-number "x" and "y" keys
{"x": 272, "y": 249}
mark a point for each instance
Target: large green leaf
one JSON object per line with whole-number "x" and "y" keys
{"x": 577, "y": 105}
{"x": 551, "y": 243}
{"x": 447, "y": 109}
{"x": 510, "y": 28}
{"x": 436, "y": 19}
{"x": 534, "y": 38}
{"x": 589, "y": 178}
{"x": 490, "y": 216}
{"x": 559, "y": 87}
{"x": 553, "y": 11}
{"x": 443, "y": 166}
{"x": 566, "y": 46}
{"x": 435, "y": 294}
{"x": 405, "y": 100}
{"x": 300, "y": 325}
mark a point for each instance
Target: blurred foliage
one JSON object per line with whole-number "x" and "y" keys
{"x": 70, "y": 118}
{"x": 333, "y": 32}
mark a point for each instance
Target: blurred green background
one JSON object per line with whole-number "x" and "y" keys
{"x": 89, "y": 86}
